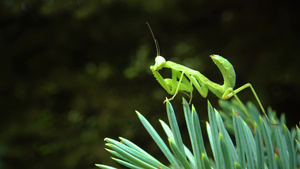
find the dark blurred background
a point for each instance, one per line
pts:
(73, 72)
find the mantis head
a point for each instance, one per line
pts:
(159, 63)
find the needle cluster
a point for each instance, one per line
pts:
(254, 144)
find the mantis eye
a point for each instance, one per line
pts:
(159, 62)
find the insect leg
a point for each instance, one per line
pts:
(233, 93)
(162, 81)
(176, 85)
(256, 97)
(199, 85)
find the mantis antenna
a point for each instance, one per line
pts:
(155, 40)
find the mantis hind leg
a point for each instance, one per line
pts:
(232, 92)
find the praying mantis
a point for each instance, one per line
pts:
(189, 78)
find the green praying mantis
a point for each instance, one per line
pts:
(184, 79)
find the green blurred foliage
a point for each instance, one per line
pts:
(73, 72)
